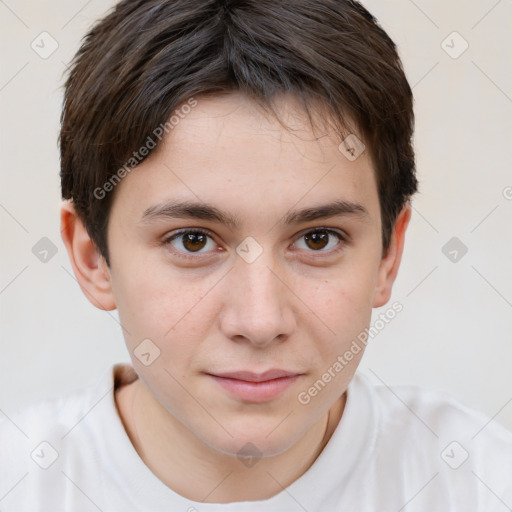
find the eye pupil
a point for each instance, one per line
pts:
(194, 241)
(318, 239)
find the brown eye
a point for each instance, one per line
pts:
(321, 240)
(191, 241)
(194, 241)
(317, 240)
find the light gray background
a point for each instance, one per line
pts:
(454, 333)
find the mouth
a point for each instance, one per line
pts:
(253, 387)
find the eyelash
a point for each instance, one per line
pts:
(343, 240)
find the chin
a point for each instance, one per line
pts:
(252, 443)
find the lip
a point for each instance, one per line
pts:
(254, 387)
(256, 377)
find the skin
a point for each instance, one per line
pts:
(296, 307)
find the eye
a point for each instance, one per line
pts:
(191, 241)
(188, 242)
(321, 240)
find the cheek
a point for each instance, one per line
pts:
(158, 304)
(344, 302)
(163, 328)
(344, 306)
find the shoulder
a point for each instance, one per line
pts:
(439, 413)
(44, 419)
(428, 439)
(41, 442)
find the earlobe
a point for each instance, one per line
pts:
(89, 267)
(390, 263)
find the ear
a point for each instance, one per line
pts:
(388, 268)
(90, 268)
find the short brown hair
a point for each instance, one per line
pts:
(147, 57)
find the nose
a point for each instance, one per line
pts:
(258, 304)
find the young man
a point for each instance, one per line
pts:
(237, 178)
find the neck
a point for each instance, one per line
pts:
(200, 473)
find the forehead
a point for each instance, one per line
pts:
(226, 150)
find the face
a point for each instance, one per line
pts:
(222, 257)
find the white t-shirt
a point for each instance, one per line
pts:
(395, 449)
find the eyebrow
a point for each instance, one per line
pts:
(204, 211)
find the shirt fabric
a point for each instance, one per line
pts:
(400, 448)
